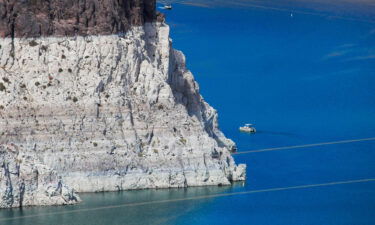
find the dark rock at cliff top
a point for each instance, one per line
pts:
(35, 18)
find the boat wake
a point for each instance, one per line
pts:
(277, 133)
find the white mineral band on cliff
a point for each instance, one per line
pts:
(105, 113)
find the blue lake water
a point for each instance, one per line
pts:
(301, 79)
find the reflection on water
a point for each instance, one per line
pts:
(164, 213)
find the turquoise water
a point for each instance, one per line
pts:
(304, 79)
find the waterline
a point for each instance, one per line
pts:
(194, 198)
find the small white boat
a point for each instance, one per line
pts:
(168, 7)
(248, 128)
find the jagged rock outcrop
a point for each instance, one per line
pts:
(109, 112)
(26, 181)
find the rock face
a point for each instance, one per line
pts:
(104, 113)
(36, 18)
(26, 181)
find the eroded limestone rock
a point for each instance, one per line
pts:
(111, 112)
(25, 181)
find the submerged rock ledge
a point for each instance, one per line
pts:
(104, 113)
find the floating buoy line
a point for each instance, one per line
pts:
(305, 146)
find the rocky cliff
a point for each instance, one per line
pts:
(37, 18)
(102, 110)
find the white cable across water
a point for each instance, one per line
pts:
(305, 146)
(193, 198)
